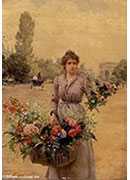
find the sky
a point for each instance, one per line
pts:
(94, 29)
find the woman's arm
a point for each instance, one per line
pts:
(55, 97)
(87, 87)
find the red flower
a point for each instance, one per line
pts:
(5, 106)
(28, 140)
(12, 109)
(55, 130)
(78, 129)
(71, 122)
(72, 133)
(19, 129)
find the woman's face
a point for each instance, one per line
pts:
(71, 66)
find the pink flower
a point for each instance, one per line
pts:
(71, 122)
(30, 129)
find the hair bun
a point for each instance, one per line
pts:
(69, 54)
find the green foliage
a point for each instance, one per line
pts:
(12, 143)
(91, 121)
(49, 69)
(19, 116)
(18, 67)
(35, 139)
(25, 150)
(24, 36)
(120, 71)
(90, 127)
(4, 66)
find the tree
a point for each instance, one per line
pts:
(18, 62)
(24, 37)
(4, 66)
(17, 68)
(88, 72)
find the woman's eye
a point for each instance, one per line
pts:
(74, 63)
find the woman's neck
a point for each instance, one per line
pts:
(70, 76)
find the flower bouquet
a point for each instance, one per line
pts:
(56, 143)
(24, 126)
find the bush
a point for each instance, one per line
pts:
(120, 71)
(49, 69)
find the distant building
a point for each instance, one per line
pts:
(106, 69)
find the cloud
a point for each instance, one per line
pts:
(87, 26)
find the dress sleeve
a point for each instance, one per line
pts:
(55, 96)
(87, 87)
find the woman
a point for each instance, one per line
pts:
(68, 92)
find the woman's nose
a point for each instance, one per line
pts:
(71, 64)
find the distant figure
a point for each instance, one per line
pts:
(37, 80)
(34, 80)
(39, 76)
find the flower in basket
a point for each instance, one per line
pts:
(71, 122)
(55, 130)
(74, 128)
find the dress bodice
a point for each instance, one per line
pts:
(72, 92)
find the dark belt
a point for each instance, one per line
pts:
(69, 102)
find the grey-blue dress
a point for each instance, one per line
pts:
(67, 101)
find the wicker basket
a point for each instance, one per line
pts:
(62, 161)
(39, 156)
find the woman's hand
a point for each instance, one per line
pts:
(53, 120)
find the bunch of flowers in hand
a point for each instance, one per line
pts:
(24, 127)
(95, 100)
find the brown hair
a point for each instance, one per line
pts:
(69, 55)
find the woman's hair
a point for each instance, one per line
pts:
(69, 55)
